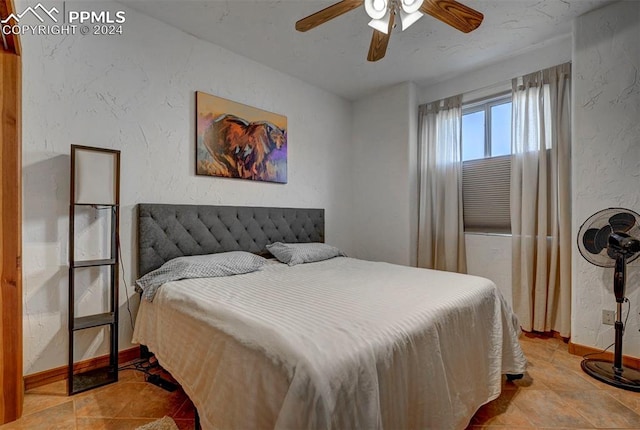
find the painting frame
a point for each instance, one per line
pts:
(235, 140)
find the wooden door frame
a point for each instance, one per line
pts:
(11, 348)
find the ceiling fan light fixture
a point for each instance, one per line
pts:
(376, 9)
(411, 6)
(382, 25)
(383, 16)
(409, 18)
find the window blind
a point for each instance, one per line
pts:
(485, 194)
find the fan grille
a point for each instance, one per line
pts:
(593, 237)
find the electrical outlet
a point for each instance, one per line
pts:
(608, 317)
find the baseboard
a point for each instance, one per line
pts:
(60, 373)
(581, 350)
(545, 335)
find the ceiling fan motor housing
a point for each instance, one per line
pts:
(382, 12)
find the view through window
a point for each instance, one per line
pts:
(486, 129)
(486, 167)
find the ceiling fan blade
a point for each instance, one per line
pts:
(379, 42)
(327, 14)
(453, 13)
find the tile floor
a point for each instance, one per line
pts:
(554, 394)
(127, 404)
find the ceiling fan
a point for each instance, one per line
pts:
(383, 14)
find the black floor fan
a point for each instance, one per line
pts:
(610, 238)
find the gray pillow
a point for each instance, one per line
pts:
(296, 253)
(199, 266)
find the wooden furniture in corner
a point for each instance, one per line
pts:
(11, 394)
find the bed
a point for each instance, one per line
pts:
(335, 344)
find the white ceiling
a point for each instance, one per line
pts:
(333, 56)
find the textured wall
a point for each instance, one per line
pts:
(135, 93)
(385, 175)
(486, 81)
(606, 156)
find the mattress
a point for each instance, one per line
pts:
(337, 344)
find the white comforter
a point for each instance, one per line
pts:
(338, 344)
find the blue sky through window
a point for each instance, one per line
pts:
(473, 136)
(497, 117)
(501, 129)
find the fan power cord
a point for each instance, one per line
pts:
(624, 326)
(144, 365)
(124, 280)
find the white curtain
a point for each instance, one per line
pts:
(440, 226)
(541, 200)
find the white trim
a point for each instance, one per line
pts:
(483, 95)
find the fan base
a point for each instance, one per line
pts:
(602, 370)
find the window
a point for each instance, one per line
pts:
(486, 129)
(486, 167)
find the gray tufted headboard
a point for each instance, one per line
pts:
(169, 231)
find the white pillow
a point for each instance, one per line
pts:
(199, 266)
(296, 253)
